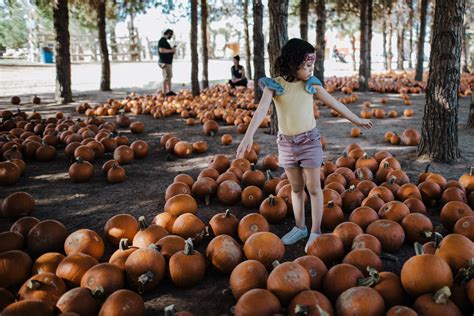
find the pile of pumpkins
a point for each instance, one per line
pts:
(31, 137)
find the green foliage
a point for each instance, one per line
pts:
(13, 30)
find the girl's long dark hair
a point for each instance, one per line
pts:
(291, 57)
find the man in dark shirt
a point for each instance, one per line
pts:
(166, 52)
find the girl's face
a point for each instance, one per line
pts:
(305, 70)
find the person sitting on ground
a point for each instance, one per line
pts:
(238, 74)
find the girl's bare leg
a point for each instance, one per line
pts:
(313, 183)
(295, 176)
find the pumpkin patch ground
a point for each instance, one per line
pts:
(141, 187)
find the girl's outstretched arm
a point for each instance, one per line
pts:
(258, 116)
(330, 101)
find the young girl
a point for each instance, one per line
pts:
(298, 140)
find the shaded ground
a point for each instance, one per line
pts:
(89, 205)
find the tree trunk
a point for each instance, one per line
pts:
(439, 129)
(421, 41)
(63, 58)
(384, 37)
(353, 55)
(369, 41)
(470, 121)
(304, 8)
(465, 49)
(400, 36)
(113, 41)
(205, 53)
(248, 56)
(104, 51)
(390, 37)
(410, 28)
(258, 47)
(278, 37)
(320, 41)
(364, 71)
(194, 49)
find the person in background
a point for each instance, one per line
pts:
(165, 62)
(238, 74)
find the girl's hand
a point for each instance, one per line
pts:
(365, 123)
(245, 146)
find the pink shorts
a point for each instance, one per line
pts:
(302, 150)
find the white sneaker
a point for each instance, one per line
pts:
(294, 235)
(311, 238)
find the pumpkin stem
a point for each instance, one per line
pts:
(98, 292)
(352, 188)
(188, 247)
(386, 165)
(344, 153)
(321, 311)
(301, 310)
(392, 179)
(34, 284)
(435, 237)
(275, 263)
(227, 213)
(269, 174)
(144, 279)
(427, 168)
(442, 295)
(141, 220)
(123, 244)
(464, 275)
(371, 280)
(170, 310)
(206, 199)
(418, 249)
(471, 172)
(271, 200)
(331, 204)
(385, 255)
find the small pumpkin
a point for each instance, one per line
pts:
(189, 225)
(250, 224)
(85, 241)
(46, 236)
(288, 279)
(224, 224)
(340, 278)
(123, 303)
(316, 269)
(120, 226)
(80, 300)
(265, 247)
(145, 268)
(148, 234)
(224, 253)
(46, 287)
(124, 154)
(72, 268)
(360, 300)
(47, 262)
(250, 303)
(181, 204)
(248, 275)
(274, 209)
(15, 267)
(106, 275)
(187, 267)
(140, 149)
(18, 204)
(81, 171)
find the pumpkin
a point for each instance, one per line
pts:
(81, 171)
(250, 303)
(169, 245)
(415, 205)
(15, 267)
(362, 216)
(18, 204)
(394, 210)
(316, 269)
(430, 192)
(408, 190)
(105, 275)
(229, 192)
(390, 234)
(116, 174)
(456, 250)
(288, 279)
(366, 241)
(85, 241)
(183, 149)
(145, 268)
(452, 212)
(265, 247)
(46, 236)
(411, 137)
(97, 147)
(327, 247)
(253, 177)
(204, 188)
(224, 253)
(137, 127)
(345, 161)
(165, 220)
(374, 202)
(248, 275)
(148, 234)
(362, 258)
(45, 152)
(347, 231)
(123, 303)
(414, 225)
(181, 204)
(80, 300)
(187, 267)
(242, 163)
(47, 262)
(250, 224)
(367, 162)
(72, 268)
(224, 224)
(351, 199)
(425, 273)
(122, 120)
(252, 196)
(84, 152)
(120, 226)
(384, 193)
(140, 149)
(359, 301)
(209, 173)
(453, 194)
(184, 178)
(365, 186)
(335, 177)
(388, 285)
(465, 226)
(46, 287)
(467, 180)
(124, 154)
(120, 255)
(274, 209)
(270, 162)
(219, 162)
(189, 225)
(226, 139)
(9, 173)
(228, 175)
(28, 307)
(340, 278)
(438, 304)
(199, 147)
(310, 302)
(6, 298)
(210, 127)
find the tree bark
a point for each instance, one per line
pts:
(113, 42)
(465, 50)
(390, 36)
(248, 56)
(205, 50)
(304, 8)
(400, 39)
(320, 40)
(63, 58)
(421, 41)
(470, 120)
(104, 51)
(194, 49)
(364, 71)
(439, 129)
(258, 47)
(410, 28)
(369, 42)
(278, 37)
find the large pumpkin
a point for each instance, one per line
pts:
(46, 236)
(360, 301)
(288, 279)
(120, 226)
(15, 267)
(80, 300)
(224, 253)
(123, 303)
(250, 303)
(248, 275)
(18, 204)
(265, 247)
(456, 250)
(180, 204)
(47, 262)
(145, 269)
(46, 287)
(187, 267)
(85, 241)
(72, 268)
(108, 276)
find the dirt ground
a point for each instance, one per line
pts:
(89, 205)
